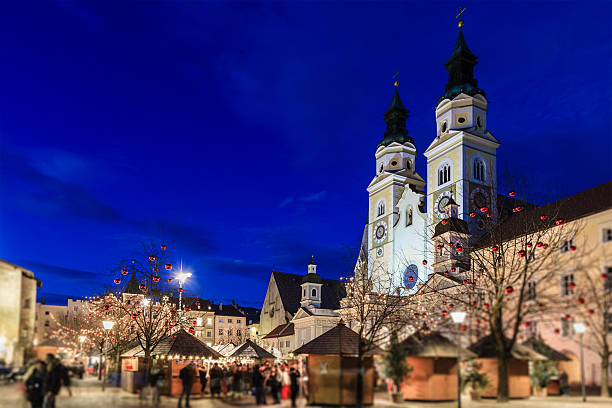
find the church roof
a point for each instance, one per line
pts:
(339, 340)
(282, 330)
(583, 204)
(290, 290)
(132, 286)
(250, 349)
(312, 278)
(396, 117)
(452, 224)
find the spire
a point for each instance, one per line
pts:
(460, 67)
(133, 286)
(396, 117)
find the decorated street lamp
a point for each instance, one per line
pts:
(108, 326)
(458, 318)
(580, 328)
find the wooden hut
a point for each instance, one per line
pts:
(251, 351)
(518, 367)
(539, 346)
(171, 354)
(434, 358)
(332, 368)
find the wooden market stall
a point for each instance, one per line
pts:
(251, 351)
(434, 359)
(332, 368)
(171, 355)
(539, 346)
(518, 367)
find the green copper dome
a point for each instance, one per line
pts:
(396, 117)
(460, 67)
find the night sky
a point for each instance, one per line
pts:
(245, 132)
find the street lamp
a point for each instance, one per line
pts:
(81, 340)
(458, 318)
(108, 326)
(580, 328)
(182, 276)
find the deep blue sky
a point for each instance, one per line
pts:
(248, 130)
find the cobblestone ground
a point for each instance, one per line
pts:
(88, 394)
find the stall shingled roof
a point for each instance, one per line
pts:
(433, 345)
(339, 340)
(184, 344)
(485, 348)
(251, 350)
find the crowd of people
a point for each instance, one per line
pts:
(43, 381)
(267, 383)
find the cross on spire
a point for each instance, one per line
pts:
(460, 23)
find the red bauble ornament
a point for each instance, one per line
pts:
(544, 246)
(117, 281)
(168, 267)
(180, 290)
(444, 303)
(156, 279)
(197, 303)
(472, 214)
(604, 276)
(495, 248)
(463, 328)
(439, 247)
(169, 280)
(132, 327)
(106, 307)
(474, 303)
(580, 301)
(152, 258)
(557, 331)
(478, 322)
(444, 222)
(142, 287)
(124, 271)
(155, 269)
(572, 286)
(411, 278)
(163, 247)
(512, 193)
(424, 262)
(591, 311)
(423, 316)
(416, 315)
(459, 248)
(485, 306)
(445, 273)
(174, 336)
(573, 248)
(451, 306)
(529, 245)
(195, 322)
(187, 309)
(509, 290)
(453, 269)
(543, 217)
(397, 319)
(444, 313)
(560, 221)
(484, 209)
(527, 324)
(522, 253)
(568, 317)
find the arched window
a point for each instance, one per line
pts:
(381, 168)
(408, 164)
(444, 174)
(409, 216)
(314, 293)
(380, 209)
(478, 170)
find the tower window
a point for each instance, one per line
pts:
(381, 209)
(478, 122)
(381, 167)
(567, 283)
(443, 127)
(407, 164)
(314, 293)
(394, 163)
(478, 170)
(444, 174)
(461, 119)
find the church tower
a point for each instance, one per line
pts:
(461, 160)
(396, 200)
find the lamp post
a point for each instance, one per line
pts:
(81, 340)
(458, 318)
(108, 326)
(181, 276)
(580, 328)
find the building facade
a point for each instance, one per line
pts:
(17, 312)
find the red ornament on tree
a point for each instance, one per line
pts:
(453, 270)
(163, 247)
(439, 247)
(572, 286)
(180, 290)
(573, 248)
(156, 279)
(560, 221)
(451, 306)
(543, 217)
(495, 248)
(568, 317)
(444, 222)
(424, 262)
(472, 214)
(463, 328)
(174, 336)
(459, 248)
(485, 306)
(512, 193)
(152, 258)
(591, 311)
(444, 313)
(527, 324)
(544, 246)
(124, 271)
(117, 281)
(397, 319)
(411, 278)
(168, 267)
(580, 301)
(484, 209)
(604, 276)
(474, 303)
(509, 290)
(445, 273)
(169, 280)
(197, 303)
(416, 315)
(522, 253)
(557, 331)
(142, 287)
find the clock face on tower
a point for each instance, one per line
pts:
(480, 198)
(380, 232)
(441, 202)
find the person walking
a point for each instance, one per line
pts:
(34, 379)
(203, 380)
(157, 381)
(53, 380)
(187, 376)
(258, 385)
(294, 375)
(215, 380)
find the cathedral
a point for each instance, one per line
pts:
(403, 206)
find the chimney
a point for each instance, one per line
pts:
(220, 306)
(42, 300)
